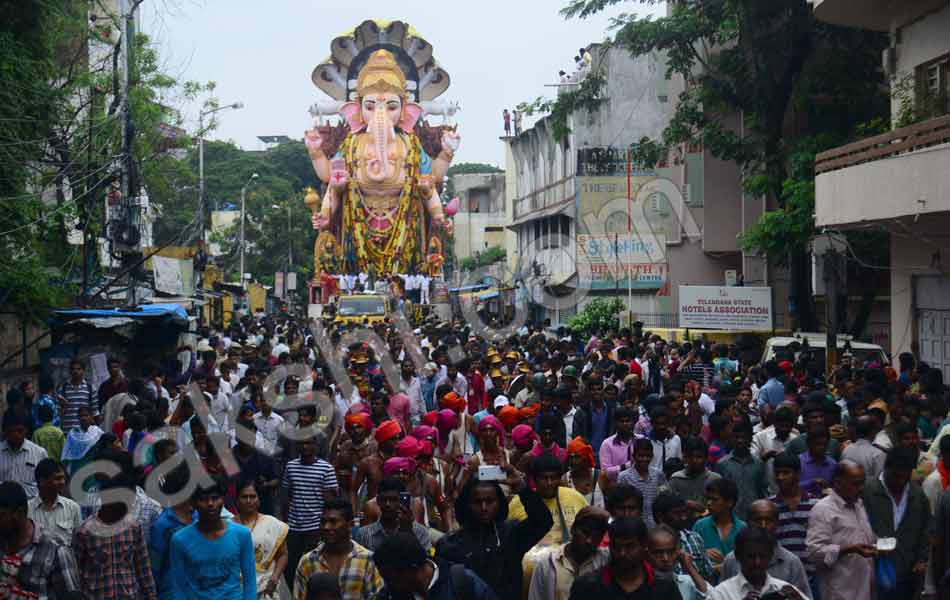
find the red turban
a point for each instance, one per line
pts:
(431, 418)
(408, 447)
(581, 448)
(397, 465)
(426, 448)
(508, 416)
(387, 430)
(359, 418)
(528, 412)
(454, 401)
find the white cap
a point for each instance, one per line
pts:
(204, 346)
(501, 401)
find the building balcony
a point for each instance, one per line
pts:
(875, 15)
(902, 173)
(546, 201)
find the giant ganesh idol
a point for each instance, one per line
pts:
(383, 166)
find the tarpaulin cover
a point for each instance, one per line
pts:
(145, 312)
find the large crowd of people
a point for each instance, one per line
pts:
(548, 465)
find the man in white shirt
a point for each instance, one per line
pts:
(754, 549)
(424, 288)
(771, 441)
(268, 423)
(57, 515)
(458, 381)
(280, 347)
(220, 403)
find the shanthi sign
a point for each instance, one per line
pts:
(719, 307)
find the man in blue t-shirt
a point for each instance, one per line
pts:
(213, 559)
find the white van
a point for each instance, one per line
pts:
(862, 352)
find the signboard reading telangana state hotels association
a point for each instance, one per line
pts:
(718, 307)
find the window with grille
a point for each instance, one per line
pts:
(933, 88)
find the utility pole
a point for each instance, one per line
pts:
(129, 181)
(201, 175)
(89, 201)
(832, 280)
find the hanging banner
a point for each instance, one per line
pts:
(720, 307)
(173, 276)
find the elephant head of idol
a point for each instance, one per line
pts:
(381, 107)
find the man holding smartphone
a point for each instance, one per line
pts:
(395, 515)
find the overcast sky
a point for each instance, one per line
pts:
(497, 52)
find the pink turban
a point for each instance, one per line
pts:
(401, 464)
(426, 448)
(448, 420)
(424, 432)
(523, 437)
(408, 447)
(492, 422)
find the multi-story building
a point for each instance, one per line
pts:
(900, 181)
(482, 219)
(591, 223)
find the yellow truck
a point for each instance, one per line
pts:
(362, 308)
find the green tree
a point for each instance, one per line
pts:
(60, 142)
(600, 314)
(489, 256)
(284, 173)
(800, 85)
(473, 167)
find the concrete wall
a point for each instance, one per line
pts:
(913, 246)
(911, 184)
(637, 101)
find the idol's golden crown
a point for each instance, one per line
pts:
(381, 75)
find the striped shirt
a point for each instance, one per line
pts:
(649, 486)
(359, 579)
(307, 486)
(701, 373)
(792, 527)
(19, 465)
(77, 396)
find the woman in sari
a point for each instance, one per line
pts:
(269, 536)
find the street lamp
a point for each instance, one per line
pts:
(243, 202)
(201, 161)
(290, 251)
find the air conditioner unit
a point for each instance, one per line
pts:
(889, 61)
